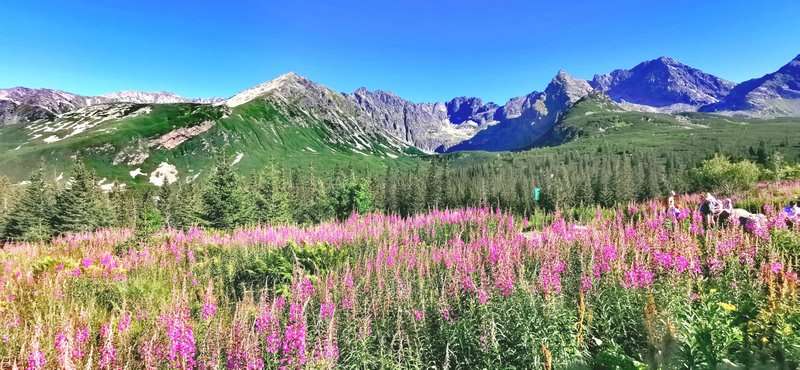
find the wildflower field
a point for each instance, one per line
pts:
(471, 288)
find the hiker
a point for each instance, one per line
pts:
(672, 210)
(726, 211)
(792, 211)
(710, 208)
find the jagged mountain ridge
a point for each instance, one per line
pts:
(524, 120)
(22, 105)
(774, 94)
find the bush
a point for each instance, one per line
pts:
(719, 174)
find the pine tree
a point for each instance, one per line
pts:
(149, 218)
(188, 207)
(30, 217)
(79, 205)
(432, 186)
(623, 182)
(224, 203)
(279, 210)
(584, 194)
(445, 197)
(7, 193)
(312, 204)
(272, 203)
(165, 203)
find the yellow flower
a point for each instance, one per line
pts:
(727, 306)
(712, 291)
(787, 329)
(764, 340)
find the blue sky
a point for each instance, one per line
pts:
(423, 50)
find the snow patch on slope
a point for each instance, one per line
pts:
(238, 158)
(136, 172)
(164, 174)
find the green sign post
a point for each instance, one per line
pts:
(537, 194)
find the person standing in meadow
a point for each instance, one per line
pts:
(672, 209)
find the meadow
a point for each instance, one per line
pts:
(475, 288)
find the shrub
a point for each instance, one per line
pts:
(721, 175)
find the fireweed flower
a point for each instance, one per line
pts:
(124, 322)
(268, 325)
(483, 296)
(550, 276)
(36, 358)
(181, 338)
(326, 310)
(586, 283)
(209, 303)
(294, 344)
(638, 277)
(63, 349)
(108, 354)
(79, 343)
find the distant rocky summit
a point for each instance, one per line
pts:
(662, 82)
(774, 94)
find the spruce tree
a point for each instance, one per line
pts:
(30, 217)
(78, 206)
(224, 203)
(623, 182)
(432, 186)
(188, 207)
(7, 193)
(280, 211)
(165, 204)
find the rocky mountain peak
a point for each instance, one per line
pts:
(285, 84)
(774, 94)
(665, 60)
(570, 86)
(662, 82)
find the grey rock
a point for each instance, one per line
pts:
(662, 82)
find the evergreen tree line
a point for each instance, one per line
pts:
(40, 209)
(227, 199)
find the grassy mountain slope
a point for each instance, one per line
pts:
(596, 124)
(596, 121)
(120, 138)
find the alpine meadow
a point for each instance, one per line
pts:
(641, 213)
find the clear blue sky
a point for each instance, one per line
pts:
(424, 50)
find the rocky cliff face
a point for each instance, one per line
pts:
(772, 95)
(428, 126)
(523, 120)
(23, 105)
(662, 82)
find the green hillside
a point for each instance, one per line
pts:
(595, 121)
(120, 138)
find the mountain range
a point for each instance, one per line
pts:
(467, 123)
(291, 114)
